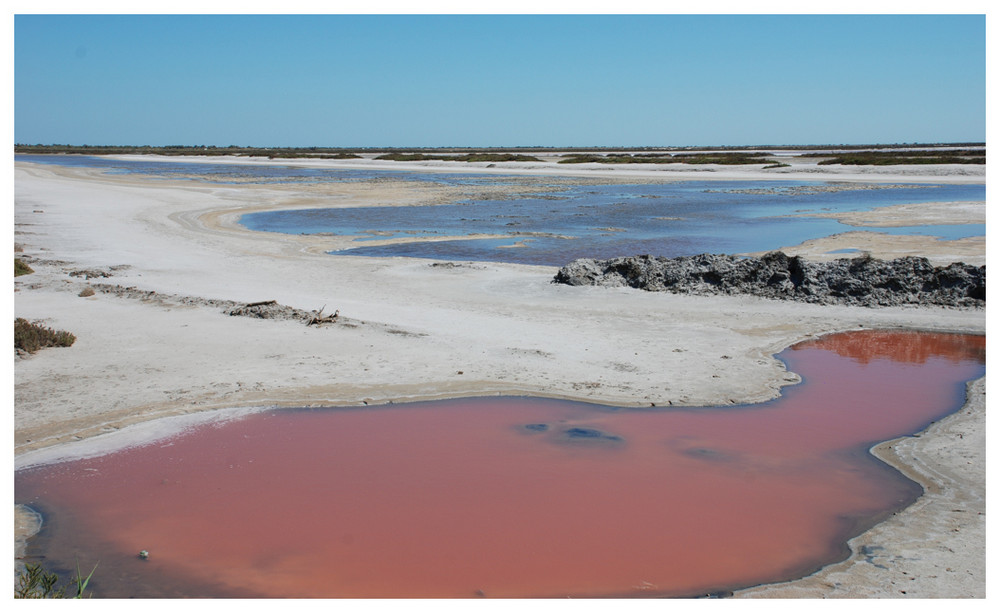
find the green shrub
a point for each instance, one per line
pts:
(20, 268)
(31, 337)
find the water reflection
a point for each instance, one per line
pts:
(902, 346)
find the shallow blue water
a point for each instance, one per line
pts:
(597, 221)
(673, 219)
(251, 172)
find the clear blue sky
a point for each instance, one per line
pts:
(558, 80)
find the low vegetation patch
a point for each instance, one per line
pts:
(666, 158)
(890, 158)
(30, 337)
(299, 154)
(36, 582)
(330, 153)
(469, 157)
(723, 158)
(20, 268)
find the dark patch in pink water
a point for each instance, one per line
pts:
(510, 496)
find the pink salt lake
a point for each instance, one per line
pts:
(509, 497)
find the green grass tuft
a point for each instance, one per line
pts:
(20, 268)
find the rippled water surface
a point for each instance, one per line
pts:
(604, 221)
(559, 225)
(504, 497)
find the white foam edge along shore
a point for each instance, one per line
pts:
(412, 330)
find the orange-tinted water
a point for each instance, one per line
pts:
(494, 496)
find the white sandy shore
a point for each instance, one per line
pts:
(410, 330)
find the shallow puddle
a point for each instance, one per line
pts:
(509, 497)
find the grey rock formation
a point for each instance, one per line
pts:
(861, 281)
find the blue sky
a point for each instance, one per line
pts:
(498, 80)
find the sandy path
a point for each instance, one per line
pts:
(417, 330)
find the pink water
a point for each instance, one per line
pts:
(461, 499)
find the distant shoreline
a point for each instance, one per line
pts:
(318, 151)
(792, 168)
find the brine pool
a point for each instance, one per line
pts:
(506, 496)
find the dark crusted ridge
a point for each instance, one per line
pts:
(861, 281)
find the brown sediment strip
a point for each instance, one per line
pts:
(936, 547)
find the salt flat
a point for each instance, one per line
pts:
(409, 329)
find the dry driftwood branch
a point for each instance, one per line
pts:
(319, 318)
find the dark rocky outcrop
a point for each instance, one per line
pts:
(861, 281)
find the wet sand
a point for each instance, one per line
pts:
(971, 250)
(928, 213)
(418, 331)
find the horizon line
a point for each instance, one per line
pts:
(480, 147)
